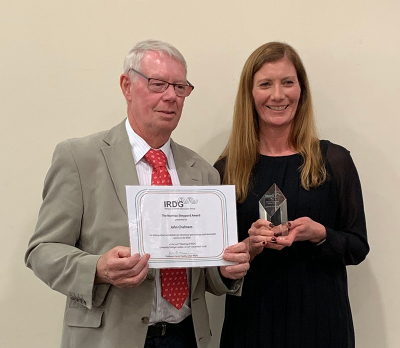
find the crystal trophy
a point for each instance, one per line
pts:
(273, 207)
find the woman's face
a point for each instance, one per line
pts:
(276, 93)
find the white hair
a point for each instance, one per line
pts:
(134, 57)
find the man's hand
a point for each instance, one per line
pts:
(119, 268)
(236, 253)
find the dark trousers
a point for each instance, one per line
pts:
(179, 335)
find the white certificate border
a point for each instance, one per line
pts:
(162, 190)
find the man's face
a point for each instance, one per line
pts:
(154, 115)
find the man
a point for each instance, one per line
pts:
(80, 246)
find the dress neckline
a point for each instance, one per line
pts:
(285, 156)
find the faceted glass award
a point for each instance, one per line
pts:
(273, 207)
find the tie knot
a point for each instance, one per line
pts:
(156, 158)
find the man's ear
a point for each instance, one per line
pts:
(126, 84)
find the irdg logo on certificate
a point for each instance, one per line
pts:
(182, 226)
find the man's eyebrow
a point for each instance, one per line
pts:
(158, 77)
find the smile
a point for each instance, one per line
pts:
(277, 108)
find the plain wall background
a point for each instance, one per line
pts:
(60, 64)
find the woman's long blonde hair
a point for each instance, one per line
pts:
(242, 150)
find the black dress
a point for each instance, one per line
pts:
(297, 297)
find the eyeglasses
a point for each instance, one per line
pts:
(159, 86)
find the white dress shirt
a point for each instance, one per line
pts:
(162, 310)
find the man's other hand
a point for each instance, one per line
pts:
(119, 268)
(236, 253)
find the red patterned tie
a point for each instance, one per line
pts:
(173, 280)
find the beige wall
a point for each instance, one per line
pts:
(60, 63)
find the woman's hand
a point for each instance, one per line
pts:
(302, 229)
(261, 233)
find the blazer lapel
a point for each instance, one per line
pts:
(184, 162)
(195, 278)
(119, 160)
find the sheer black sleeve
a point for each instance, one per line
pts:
(347, 243)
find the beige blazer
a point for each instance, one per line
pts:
(84, 215)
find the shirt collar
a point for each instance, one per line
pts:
(140, 147)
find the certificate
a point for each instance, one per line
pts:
(182, 226)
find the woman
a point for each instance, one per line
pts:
(295, 293)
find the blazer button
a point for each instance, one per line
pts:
(150, 277)
(145, 320)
